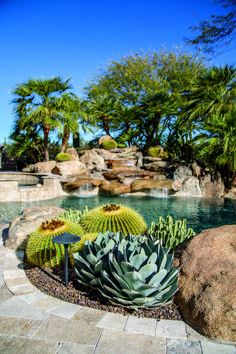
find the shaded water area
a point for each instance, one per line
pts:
(200, 213)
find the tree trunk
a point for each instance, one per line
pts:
(46, 131)
(105, 124)
(127, 127)
(34, 158)
(155, 124)
(65, 139)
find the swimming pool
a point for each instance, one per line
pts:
(200, 213)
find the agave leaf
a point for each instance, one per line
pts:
(95, 283)
(92, 259)
(143, 301)
(127, 267)
(171, 277)
(108, 279)
(98, 266)
(169, 262)
(120, 301)
(148, 250)
(158, 277)
(87, 274)
(114, 292)
(82, 263)
(121, 282)
(120, 253)
(114, 266)
(137, 260)
(163, 262)
(147, 270)
(132, 294)
(147, 289)
(105, 250)
(172, 290)
(134, 279)
(153, 258)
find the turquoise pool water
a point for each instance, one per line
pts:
(200, 213)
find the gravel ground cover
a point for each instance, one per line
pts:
(51, 282)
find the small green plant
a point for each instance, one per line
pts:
(121, 145)
(154, 152)
(62, 156)
(73, 215)
(170, 234)
(42, 252)
(115, 218)
(130, 271)
(109, 144)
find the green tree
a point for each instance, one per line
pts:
(210, 104)
(219, 31)
(145, 83)
(36, 102)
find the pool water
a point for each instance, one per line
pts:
(200, 213)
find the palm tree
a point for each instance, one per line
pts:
(103, 109)
(36, 102)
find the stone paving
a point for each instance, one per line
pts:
(32, 322)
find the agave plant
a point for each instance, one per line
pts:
(130, 271)
(115, 218)
(169, 233)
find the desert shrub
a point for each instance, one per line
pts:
(109, 144)
(62, 156)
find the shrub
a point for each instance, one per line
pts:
(62, 156)
(121, 145)
(109, 144)
(115, 218)
(170, 234)
(130, 271)
(154, 152)
(42, 252)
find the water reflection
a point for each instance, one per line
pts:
(200, 213)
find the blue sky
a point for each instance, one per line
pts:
(74, 38)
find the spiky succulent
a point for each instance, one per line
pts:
(170, 233)
(73, 215)
(62, 156)
(109, 144)
(130, 271)
(115, 218)
(40, 249)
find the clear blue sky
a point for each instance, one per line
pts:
(74, 38)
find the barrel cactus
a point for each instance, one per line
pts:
(41, 251)
(170, 233)
(130, 271)
(115, 218)
(154, 152)
(109, 144)
(62, 156)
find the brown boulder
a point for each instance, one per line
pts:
(73, 154)
(75, 183)
(27, 222)
(140, 184)
(92, 160)
(118, 173)
(114, 188)
(207, 282)
(44, 167)
(213, 190)
(70, 168)
(124, 163)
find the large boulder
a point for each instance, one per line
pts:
(213, 190)
(70, 168)
(124, 163)
(73, 184)
(119, 173)
(44, 167)
(73, 154)
(114, 188)
(140, 184)
(181, 173)
(27, 222)
(191, 186)
(207, 282)
(92, 160)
